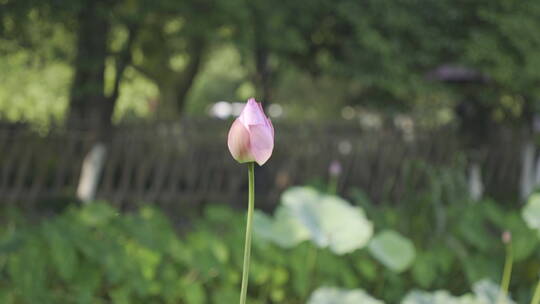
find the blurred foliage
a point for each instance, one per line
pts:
(392, 250)
(531, 212)
(326, 220)
(35, 92)
(32, 91)
(328, 295)
(484, 292)
(312, 57)
(94, 254)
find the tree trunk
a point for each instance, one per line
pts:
(89, 108)
(167, 109)
(186, 79)
(87, 105)
(175, 86)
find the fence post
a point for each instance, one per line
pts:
(91, 171)
(527, 169)
(476, 187)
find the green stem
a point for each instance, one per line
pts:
(247, 248)
(311, 268)
(332, 185)
(507, 274)
(536, 297)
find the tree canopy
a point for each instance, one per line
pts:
(87, 56)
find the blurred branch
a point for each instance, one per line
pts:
(145, 71)
(123, 60)
(187, 76)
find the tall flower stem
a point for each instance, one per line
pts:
(536, 296)
(249, 225)
(311, 269)
(507, 274)
(332, 185)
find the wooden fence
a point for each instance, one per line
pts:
(181, 165)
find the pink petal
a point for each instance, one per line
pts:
(252, 114)
(271, 127)
(261, 143)
(259, 104)
(239, 142)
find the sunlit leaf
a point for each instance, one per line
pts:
(329, 295)
(488, 292)
(531, 212)
(437, 297)
(326, 220)
(392, 250)
(485, 292)
(285, 231)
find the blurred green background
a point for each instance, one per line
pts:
(313, 58)
(418, 118)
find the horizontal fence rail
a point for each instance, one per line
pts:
(187, 164)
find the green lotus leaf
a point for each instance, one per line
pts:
(330, 295)
(392, 250)
(284, 231)
(438, 297)
(531, 212)
(327, 220)
(485, 292)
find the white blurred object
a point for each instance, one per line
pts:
(237, 108)
(332, 295)
(90, 172)
(406, 124)
(345, 147)
(275, 110)
(221, 110)
(528, 175)
(370, 120)
(476, 187)
(348, 112)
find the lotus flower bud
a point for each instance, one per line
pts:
(506, 237)
(335, 168)
(251, 137)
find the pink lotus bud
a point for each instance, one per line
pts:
(335, 168)
(506, 237)
(251, 137)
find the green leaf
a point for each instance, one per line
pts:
(10, 244)
(488, 292)
(96, 214)
(7, 296)
(424, 270)
(477, 267)
(30, 284)
(329, 295)
(194, 292)
(392, 250)
(86, 282)
(285, 230)
(437, 297)
(531, 212)
(328, 221)
(368, 268)
(524, 241)
(120, 295)
(61, 250)
(485, 292)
